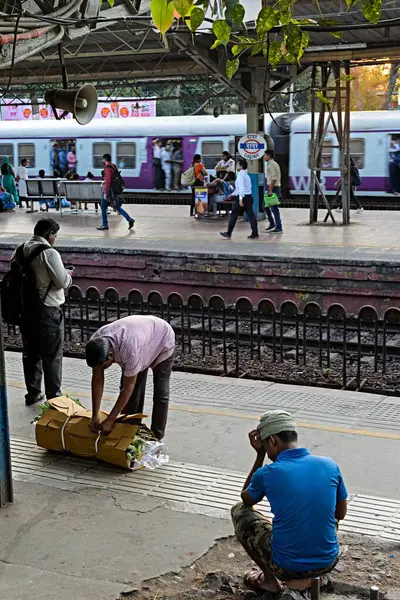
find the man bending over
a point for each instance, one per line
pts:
(136, 343)
(307, 497)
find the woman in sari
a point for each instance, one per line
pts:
(8, 179)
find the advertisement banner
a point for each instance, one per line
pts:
(123, 109)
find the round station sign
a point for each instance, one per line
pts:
(252, 146)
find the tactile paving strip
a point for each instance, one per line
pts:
(243, 396)
(184, 487)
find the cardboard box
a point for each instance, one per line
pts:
(65, 428)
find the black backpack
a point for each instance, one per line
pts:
(117, 182)
(19, 294)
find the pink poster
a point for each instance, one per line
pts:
(15, 111)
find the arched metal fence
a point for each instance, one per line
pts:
(264, 341)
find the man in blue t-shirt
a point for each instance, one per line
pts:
(307, 497)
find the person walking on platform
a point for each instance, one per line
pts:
(242, 198)
(22, 176)
(273, 177)
(43, 333)
(8, 179)
(136, 343)
(112, 191)
(199, 172)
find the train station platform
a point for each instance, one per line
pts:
(80, 528)
(169, 251)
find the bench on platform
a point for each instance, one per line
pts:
(41, 190)
(81, 191)
(56, 189)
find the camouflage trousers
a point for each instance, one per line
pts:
(254, 531)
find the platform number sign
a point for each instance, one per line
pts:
(252, 146)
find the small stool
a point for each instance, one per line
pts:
(300, 585)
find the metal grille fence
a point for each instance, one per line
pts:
(279, 343)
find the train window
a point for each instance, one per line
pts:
(27, 151)
(326, 159)
(126, 155)
(211, 153)
(357, 152)
(7, 150)
(100, 148)
(232, 148)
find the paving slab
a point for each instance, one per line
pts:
(93, 543)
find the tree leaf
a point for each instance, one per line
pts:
(238, 15)
(371, 9)
(196, 18)
(348, 78)
(323, 98)
(337, 34)
(267, 18)
(162, 12)
(222, 32)
(110, 2)
(238, 49)
(216, 44)
(351, 3)
(273, 53)
(183, 6)
(257, 48)
(231, 67)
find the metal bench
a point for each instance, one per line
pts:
(41, 189)
(80, 191)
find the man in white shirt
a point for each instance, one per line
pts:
(166, 165)
(273, 176)
(43, 333)
(22, 176)
(157, 164)
(242, 198)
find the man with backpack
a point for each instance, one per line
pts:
(112, 192)
(32, 294)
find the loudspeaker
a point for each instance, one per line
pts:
(82, 103)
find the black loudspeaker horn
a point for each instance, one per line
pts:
(82, 103)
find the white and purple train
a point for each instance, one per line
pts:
(130, 144)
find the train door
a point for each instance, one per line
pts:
(393, 162)
(63, 157)
(168, 172)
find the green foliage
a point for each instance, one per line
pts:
(231, 67)
(289, 40)
(371, 9)
(323, 98)
(182, 7)
(196, 18)
(162, 12)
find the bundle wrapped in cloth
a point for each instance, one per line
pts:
(64, 427)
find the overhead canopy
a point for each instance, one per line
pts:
(120, 45)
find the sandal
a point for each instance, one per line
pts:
(256, 581)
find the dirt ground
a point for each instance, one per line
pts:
(218, 575)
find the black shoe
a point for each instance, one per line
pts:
(131, 223)
(225, 235)
(270, 228)
(102, 228)
(29, 400)
(253, 237)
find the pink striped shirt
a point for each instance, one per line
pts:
(139, 342)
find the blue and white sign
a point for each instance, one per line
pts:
(252, 146)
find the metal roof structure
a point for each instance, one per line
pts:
(115, 47)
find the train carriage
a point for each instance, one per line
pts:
(130, 143)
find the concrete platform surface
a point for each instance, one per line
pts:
(80, 529)
(372, 235)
